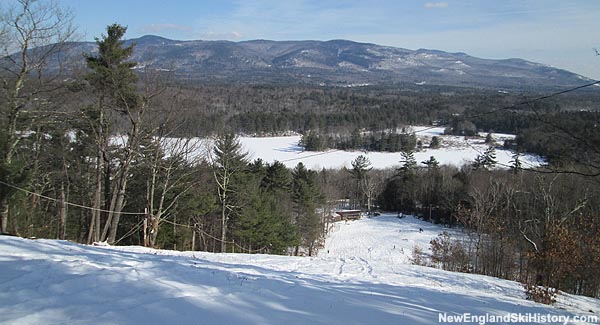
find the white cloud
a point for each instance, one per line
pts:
(435, 5)
(160, 28)
(214, 35)
(557, 41)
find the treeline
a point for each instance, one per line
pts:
(562, 137)
(204, 110)
(532, 228)
(272, 110)
(529, 226)
(380, 141)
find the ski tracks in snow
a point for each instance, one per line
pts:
(354, 267)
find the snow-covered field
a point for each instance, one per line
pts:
(455, 150)
(360, 277)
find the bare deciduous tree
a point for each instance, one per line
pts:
(31, 33)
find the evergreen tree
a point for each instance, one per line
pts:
(435, 142)
(408, 142)
(263, 226)
(112, 74)
(394, 144)
(277, 178)
(361, 166)
(431, 163)
(486, 160)
(311, 141)
(409, 163)
(516, 163)
(113, 80)
(258, 168)
(403, 188)
(356, 140)
(306, 197)
(229, 163)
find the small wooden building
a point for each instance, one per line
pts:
(349, 214)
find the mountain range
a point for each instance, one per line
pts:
(332, 63)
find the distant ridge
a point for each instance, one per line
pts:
(333, 63)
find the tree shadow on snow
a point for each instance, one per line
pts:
(101, 285)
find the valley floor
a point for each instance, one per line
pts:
(361, 276)
(455, 150)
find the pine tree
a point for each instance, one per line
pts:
(311, 141)
(435, 142)
(516, 163)
(277, 178)
(306, 197)
(356, 140)
(112, 74)
(258, 168)
(486, 160)
(361, 166)
(113, 80)
(402, 189)
(262, 225)
(229, 162)
(490, 157)
(431, 162)
(409, 163)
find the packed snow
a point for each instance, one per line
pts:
(361, 276)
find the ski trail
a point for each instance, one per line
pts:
(367, 266)
(340, 266)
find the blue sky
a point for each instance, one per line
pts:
(558, 33)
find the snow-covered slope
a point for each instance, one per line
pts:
(360, 277)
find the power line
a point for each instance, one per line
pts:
(309, 156)
(526, 102)
(67, 203)
(215, 238)
(131, 231)
(464, 118)
(514, 106)
(537, 169)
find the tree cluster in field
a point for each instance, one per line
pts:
(380, 141)
(562, 136)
